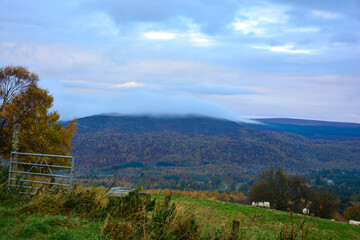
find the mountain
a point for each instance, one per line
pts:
(338, 131)
(202, 145)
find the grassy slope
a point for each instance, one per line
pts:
(256, 223)
(259, 223)
(15, 224)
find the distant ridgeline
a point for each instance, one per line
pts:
(203, 145)
(323, 130)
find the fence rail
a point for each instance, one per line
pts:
(39, 174)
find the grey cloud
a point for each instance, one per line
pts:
(328, 5)
(342, 26)
(87, 45)
(211, 15)
(72, 104)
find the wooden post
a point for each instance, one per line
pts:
(167, 202)
(15, 146)
(15, 140)
(235, 230)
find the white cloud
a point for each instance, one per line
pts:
(325, 14)
(199, 39)
(159, 35)
(247, 27)
(191, 34)
(257, 20)
(130, 85)
(285, 49)
(8, 44)
(114, 42)
(304, 29)
(194, 34)
(49, 55)
(270, 15)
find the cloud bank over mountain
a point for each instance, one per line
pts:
(264, 58)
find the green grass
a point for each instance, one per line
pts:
(14, 224)
(213, 217)
(260, 223)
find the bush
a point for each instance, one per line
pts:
(172, 223)
(117, 229)
(130, 206)
(297, 228)
(129, 218)
(352, 213)
(4, 175)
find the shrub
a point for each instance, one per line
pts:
(130, 206)
(297, 227)
(172, 223)
(352, 213)
(117, 229)
(4, 175)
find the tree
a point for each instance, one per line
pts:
(324, 203)
(283, 191)
(352, 213)
(287, 192)
(14, 80)
(24, 103)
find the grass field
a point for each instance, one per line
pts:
(15, 224)
(214, 219)
(260, 223)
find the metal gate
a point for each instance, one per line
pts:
(36, 171)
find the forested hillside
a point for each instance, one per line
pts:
(200, 145)
(322, 130)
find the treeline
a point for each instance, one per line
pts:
(183, 183)
(106, 148)
(293, 193)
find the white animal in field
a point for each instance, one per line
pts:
(333, 220)
(266, 204)
(306, 211)
(261, 204)
(353, 222)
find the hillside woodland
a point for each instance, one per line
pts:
(200, 144)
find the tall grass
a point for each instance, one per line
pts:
(87, 213)
(135, 216)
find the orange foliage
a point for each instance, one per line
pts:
(23, 102)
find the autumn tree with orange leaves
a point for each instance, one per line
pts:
(23, 102)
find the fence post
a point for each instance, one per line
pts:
(15, 142)
(10, 170)
(235, 230)
(167, 202)
(15, 147)
(71, 174)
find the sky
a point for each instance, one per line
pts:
(231, 59)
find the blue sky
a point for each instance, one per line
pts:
(229, 58)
